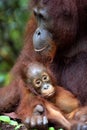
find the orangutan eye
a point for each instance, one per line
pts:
(41, 16)
(45, 77)
(37, 83)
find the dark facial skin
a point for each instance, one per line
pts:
(64, 24)
(38, 77)
(41, 37)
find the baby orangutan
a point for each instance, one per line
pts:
(41, 82)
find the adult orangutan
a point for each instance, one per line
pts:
(65, 23)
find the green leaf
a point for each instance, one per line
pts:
(5, 119)
(51, 128)
(12, 122)
(18, 126)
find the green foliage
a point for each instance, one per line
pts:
(51, 128)
(18, 126)
(12, 122)
(13, 18)
(7, 120)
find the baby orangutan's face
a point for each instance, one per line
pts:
(40, 80)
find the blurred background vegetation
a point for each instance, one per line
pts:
(14, 15)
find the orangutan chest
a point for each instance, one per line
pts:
(74, 75)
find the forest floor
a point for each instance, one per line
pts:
(4, 126)
(8, 123)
